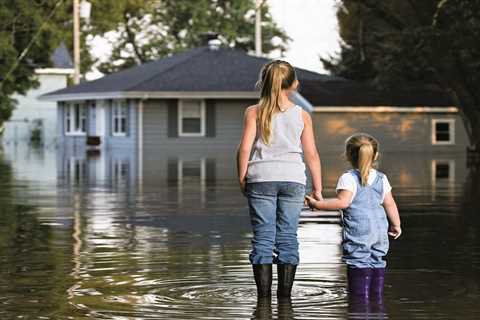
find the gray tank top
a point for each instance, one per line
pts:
(281, 160)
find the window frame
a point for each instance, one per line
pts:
(203, 118)
(451, 123)
(118, 104)
(70, 118)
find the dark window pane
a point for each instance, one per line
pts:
(442, 171)
(68, 119)
(443, 136)
(124, 125)
(442, 126)
(191, 172)
(77, 117)
(115, 125)
(191, 125)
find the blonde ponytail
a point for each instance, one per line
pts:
(274, 77)
(361, 150)
(365, 161)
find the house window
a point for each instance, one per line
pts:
(75, 119)
(191, 176)
(119, 118)
(120, 170)
(191, 172)
(443, 131)
(191, 118)
(443, 179)
(443, 171)
(76, 171)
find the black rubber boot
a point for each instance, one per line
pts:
(263, 279)
(286, 276)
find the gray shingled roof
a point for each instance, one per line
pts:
(226, 70)
(351, 93)
(61, 58)
(197, 70)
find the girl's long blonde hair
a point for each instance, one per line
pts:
(275, 76)
(361, 150)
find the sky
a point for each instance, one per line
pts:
(311, 24)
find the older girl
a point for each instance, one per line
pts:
(369, 216)
(273, 178)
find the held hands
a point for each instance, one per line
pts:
(310, 202)
(394, 231)
(313, 199)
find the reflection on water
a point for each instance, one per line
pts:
(103, 237)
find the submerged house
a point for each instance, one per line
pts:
(33, 119)
(189, 100)
(181, 117)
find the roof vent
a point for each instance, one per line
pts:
(214, 44)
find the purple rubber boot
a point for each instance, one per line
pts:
(359, 281)
(377, 283)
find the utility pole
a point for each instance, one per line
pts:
(76, 41)
(258, 27)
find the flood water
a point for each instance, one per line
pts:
(109, 237)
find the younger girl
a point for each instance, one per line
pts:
(364, 195)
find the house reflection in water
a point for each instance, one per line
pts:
(79, 167)
(173, 180)
(184, 178)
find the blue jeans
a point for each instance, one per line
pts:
(275, 208)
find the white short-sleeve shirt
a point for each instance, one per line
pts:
(348, 181)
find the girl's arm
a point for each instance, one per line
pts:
(245, 146)
(311, 155)
(342, 201)
(393, 217)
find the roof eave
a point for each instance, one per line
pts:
(386, 109)
(151, 95)
(56, 71)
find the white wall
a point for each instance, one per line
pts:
(29, 108)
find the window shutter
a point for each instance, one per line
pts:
(172, 118)
(127, 117)
(172, 172)
(210, 171)
(109, 107)
(211, 118)
(88, 117)
(61, 118)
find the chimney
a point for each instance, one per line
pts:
(214, 44)
(212, 40)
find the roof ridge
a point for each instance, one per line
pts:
(187, 57)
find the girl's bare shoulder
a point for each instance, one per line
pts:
(251, 111)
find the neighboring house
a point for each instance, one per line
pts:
(413, 118)
(32, 116)
(179, 119)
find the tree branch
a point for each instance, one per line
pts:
(385, 14)
(131, 39)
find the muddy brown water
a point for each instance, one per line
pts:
(91, 238)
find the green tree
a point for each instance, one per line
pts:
(29, 32)
(431, 41)
(148, 30)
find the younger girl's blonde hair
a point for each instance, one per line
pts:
(361, 150)
(275, 76)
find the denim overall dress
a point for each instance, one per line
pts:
(365, 226)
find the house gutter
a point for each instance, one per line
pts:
(385, 109)
(151, 95)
